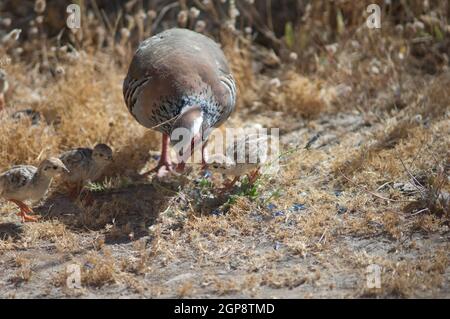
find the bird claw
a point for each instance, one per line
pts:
(163, 170)
(228, 185)
(27, 218)
(252, 178)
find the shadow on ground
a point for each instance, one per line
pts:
(11, 230)
(122, 214)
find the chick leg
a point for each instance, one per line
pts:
(227, 185)
(74, 191)
(24, 210)
(86, 196)
(253, 177)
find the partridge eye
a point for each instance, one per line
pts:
(55, 167)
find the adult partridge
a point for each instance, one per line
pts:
(85, 165)
(25, 182)
(179, 81)
(3, 88)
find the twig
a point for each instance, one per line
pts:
(163, 12)
(323, 235)
(387, 183)
(416, 182)
(420, 211)
(269, 14)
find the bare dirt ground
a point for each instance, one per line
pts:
(152, 246)
(370, 192)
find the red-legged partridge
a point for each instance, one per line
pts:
(179, 79)
(85, 165)
(28, 183)
(246, 155)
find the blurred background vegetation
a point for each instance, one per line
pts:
(307, 28)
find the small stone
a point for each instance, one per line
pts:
(337, 193)
(216, 212)
(278, 213)
(207, 174)
(341, 209)
(298, 207)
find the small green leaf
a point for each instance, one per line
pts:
(340, 22)
(289, 35)
(438, 33)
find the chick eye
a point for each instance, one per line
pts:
(55, 167)
(216, 165)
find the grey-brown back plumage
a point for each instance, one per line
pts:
(78, 161)
(16, 178)
(26, 182)
(83, 166)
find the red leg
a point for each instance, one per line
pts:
(253, 176)
(181, 166)
(227, 185)
(164, 165)
(73, 193)
(74, 190)
(88, 198)
(24, 210)
(204, 157)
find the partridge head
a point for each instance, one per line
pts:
(52, 167)
(102, 154)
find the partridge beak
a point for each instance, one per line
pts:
(66, 170)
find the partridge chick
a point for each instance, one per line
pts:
(245, 156)
(28, 183)
(85, 165)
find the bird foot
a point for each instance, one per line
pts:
(27, 218)
(228, 185)
(163, 169)
(180, 167)
(252, 178)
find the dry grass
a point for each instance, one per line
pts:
(372, 189)
(99, 269)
